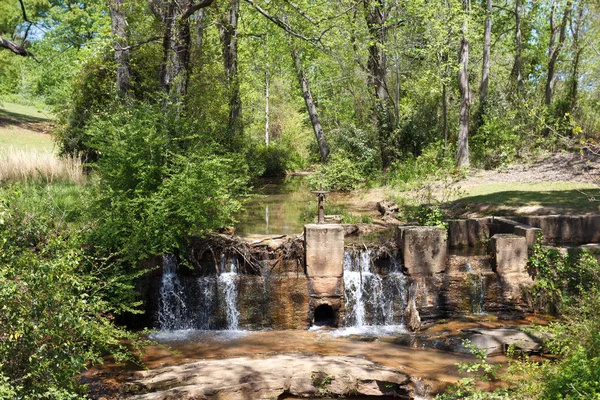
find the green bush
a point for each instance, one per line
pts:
(157, 186)
(426, 215)
(340, 173)
(57, 306)
(497, 141)
(275, 160)
(433, 163)
(353, 160)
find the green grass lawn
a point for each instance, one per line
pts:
(519, 197)
(24, 112)
(24, 127)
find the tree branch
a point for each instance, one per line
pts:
(17, 49)
(195, 7)
(280, 23)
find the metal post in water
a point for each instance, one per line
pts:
(321, 198)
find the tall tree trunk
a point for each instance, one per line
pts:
(485, 65)
(310, 106)
(376, 15)
(462, 154)
(554, 48)
(228, 33)
(518, 44)
(175, 15)
(119, 30)
(266, 107)
(577, 49)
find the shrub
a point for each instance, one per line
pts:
(57, 307)
(340, 173)
(157, 186)
(497, 141)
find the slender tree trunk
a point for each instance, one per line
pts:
(445, 115)
(554, 48)
(462, 154)
(267, 107)
(176, 53)
(200, 28)
(577, 49)
(376, 15)
(310, 107)
(119, 30)
(518, 39)
(485, 65)
(174, 16)
(228, 33)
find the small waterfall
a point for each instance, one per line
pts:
(190, 302)
(477, 295)
(228, 280)
(171, 306)
(371, 299)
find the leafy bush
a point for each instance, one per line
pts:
(275, 160)
(57, 307)
(426, 215)
(434, 163)
(497, 141)
(158, 187)
(340, 173)
(353, 160)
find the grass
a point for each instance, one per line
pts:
(39, 166)
(24, 127)
(61, 202)
(22, 111)
(522, 198)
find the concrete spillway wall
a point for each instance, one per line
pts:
(477, 265)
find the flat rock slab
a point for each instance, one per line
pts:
(495, 341)
(248, 378)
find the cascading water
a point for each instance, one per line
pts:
(171, 306)
(477, 295)
(190, 302)
(228, 278)
(372, 299)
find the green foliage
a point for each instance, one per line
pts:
(340, 173)
(479, 371)
(275, 160)
(434, 163)
(156, 187)
(353, 160)
(57, 305)
(559, 279)
(426, 215)
(497, 141)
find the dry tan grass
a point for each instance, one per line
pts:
(39, 165)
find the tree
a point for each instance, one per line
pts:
(310, 106)
(228, 33)
(555, 46)
(119, 29)
(175, 19)
(462, 154)
(485, 64)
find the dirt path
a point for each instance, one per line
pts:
(566, 167)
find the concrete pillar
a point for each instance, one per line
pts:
(423, 249)
(324, 250)
(324, 244)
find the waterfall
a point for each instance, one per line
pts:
(190, 302)
(372, 299)
(171, 305)
(477, 295)
(228, 279)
